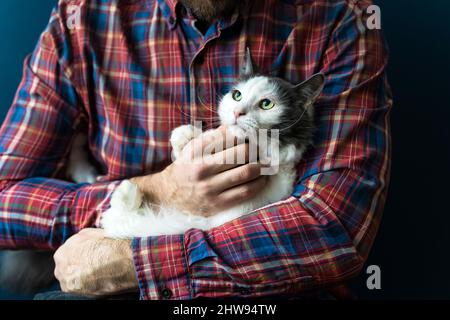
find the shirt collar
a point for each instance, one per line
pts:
(172, 4)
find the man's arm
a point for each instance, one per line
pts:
(322, 235)
(37, 209)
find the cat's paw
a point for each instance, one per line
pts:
(127, 197)
(181, 136)
(123, 217)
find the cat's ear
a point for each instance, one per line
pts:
(248, 68)
(310, 89)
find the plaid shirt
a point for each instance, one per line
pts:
(133, 70)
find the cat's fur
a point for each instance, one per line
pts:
(130, 217)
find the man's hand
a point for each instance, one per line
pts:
(208, 186)
(90, 264)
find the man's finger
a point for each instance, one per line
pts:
(235, 177)
(212, 142)
(242, 193)
(226, 160)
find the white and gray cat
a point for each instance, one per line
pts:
(256, 102)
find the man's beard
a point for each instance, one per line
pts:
(210, 10)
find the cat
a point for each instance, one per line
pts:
(267, 102)
(256, 102)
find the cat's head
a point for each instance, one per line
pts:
(264, 102)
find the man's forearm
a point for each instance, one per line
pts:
(151, 187)
(42, 213)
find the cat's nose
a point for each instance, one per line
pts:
(238, 114)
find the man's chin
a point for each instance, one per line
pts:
(209, 10)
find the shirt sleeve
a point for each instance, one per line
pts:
(321, 235)
(38, 209)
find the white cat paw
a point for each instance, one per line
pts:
(127, 197)
(122, 218)
(181, 136)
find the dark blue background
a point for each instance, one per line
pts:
(412, 248)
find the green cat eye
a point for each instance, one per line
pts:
(237, 95)
(266, 104)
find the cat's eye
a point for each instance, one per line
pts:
(266, 104)
(237, 95)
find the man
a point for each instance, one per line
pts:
(130, 72)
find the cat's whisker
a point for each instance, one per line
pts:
(213, 121)
(295, 122)
(205, 106)
(218, 98)
(197, 118)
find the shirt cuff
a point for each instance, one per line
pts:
(101, 201)
(161, 268)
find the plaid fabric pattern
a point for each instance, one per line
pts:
(135, 69)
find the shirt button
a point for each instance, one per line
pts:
(245, 292)
(166, 293)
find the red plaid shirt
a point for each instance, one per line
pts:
(132, 70)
